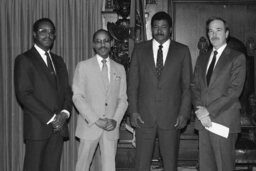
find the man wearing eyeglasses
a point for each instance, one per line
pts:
(43, 91)
(99, 87)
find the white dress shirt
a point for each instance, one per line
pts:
(42, 54)
(99, 59)
(165, 49)
(220, 50)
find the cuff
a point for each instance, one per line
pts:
(51, 120)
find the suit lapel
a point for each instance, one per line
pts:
(98, 74)
(205, 62)
(40, 65)
(113, 74)
(168, 62)
(220, 64)
(57, 69)
(148, 59)
(149, 55)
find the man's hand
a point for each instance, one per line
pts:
(59, 121)
(102, 123)
(181, 122)
(111, 125)
(136, 120)
(206, 121)
(201, 112)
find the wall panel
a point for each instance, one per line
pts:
(190, 18)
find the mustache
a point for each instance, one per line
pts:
(104, 48)
(214, 38)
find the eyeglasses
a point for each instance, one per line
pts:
(45, 32)
(97, 41)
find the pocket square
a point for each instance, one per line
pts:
(117, 77)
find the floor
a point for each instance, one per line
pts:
(191, 169)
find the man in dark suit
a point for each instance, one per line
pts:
(217, 84)
(43, 91)
(159, 94)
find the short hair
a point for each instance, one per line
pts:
(40, 21)
(99, 31)
(162, 16)
(216, 18)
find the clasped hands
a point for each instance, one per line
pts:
(106, 124)
(59, 121)
(203, 115)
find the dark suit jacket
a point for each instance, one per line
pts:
(160, 101)
(221, 96)
(38, 94)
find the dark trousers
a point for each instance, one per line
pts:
(215, 152)
(43, 155)
(168, 142)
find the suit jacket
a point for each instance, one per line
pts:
(221, 97)
(94, 101)
(160, 101)
(39, 95)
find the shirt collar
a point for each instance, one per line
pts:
(165, 44)
(99, 59)
(221, 49)
(40, 51)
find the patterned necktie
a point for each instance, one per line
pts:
(105, 72)
(211, 67)
(159, 62)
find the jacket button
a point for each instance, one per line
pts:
(106, 104)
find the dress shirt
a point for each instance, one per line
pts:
(165, 49)
(42, 54)
(220, 50)
(99, 59)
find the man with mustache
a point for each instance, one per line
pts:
(159, 94)
(217, 84)
(99, 87)
(42, 88)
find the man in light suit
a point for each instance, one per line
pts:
(99, 87)
(42, 88)
(217, 84)
(159, 94)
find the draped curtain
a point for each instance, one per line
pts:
(75, 21)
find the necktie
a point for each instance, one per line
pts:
(50, 67)
(159, 62)
(210, 69)
(105, 72)
(49, 63)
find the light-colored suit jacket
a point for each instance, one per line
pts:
(94, 101)
(221, 97)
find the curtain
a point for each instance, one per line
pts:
(75, 21)
(137, 24)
